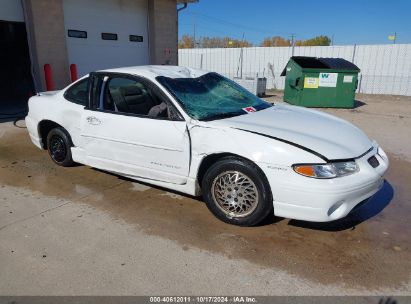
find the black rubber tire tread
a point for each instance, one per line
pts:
(61, 132)
(231, 163)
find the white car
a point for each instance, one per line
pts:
(197, 132)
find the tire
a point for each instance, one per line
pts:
(58, 146)
(237, 192)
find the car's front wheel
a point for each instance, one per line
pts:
(237, 192)
(59, 147)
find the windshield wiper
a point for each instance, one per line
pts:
(223, 115)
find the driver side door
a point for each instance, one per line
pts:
(131, 128)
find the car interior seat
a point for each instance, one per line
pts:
(118, 101)
(136, 99)
(159, 110)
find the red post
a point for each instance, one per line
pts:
(49, 77)
(73, 72)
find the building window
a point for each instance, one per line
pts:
(77, 34)
(135, 38)
(109, 36)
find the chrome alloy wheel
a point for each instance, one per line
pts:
(235, 193)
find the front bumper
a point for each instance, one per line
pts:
(317, 200)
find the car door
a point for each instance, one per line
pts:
(121, 135)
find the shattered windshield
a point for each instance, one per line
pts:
(212, 96)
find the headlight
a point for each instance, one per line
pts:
(329, 170)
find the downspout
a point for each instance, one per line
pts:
(183, 7)
(178, 11)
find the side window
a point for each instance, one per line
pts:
(78, 93)
(126, 95)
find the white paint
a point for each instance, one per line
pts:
(328, 80)
(129, 145)
(151, 148)
(331, 136)
(123, 17)
(11, 10)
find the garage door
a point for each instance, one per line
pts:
(105, 34)
(11, 10)
(15, 68)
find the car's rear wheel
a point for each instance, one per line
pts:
(59, 147)
(237, 192)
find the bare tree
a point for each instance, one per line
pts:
(275, 41)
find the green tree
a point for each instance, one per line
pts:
(318, 40)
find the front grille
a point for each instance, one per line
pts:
(373, 161)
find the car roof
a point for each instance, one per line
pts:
(152, 71)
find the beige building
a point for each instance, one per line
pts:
(92, 34)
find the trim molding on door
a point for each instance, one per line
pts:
(134, 143)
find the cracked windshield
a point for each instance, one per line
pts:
(212, 96)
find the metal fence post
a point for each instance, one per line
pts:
(353, 53)
(359, 83)
(241, 56)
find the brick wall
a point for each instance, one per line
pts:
(163, 31)
(45, 26)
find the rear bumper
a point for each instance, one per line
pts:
(317, 200)
(31, 125)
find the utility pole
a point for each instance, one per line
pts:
(393, 38)
(242, 56)
(332, 39)
(194, 32)
(292, 44)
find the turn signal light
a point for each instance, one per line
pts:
(305, 170)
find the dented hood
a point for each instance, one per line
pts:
(322, 133)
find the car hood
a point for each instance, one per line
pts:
(332, 137)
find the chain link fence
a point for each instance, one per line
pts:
(385, 69)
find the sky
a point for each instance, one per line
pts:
(347, 21)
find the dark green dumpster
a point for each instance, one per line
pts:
(320, 82)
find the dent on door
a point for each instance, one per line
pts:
(93, 120)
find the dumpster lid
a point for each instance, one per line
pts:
(339, 64)
(322, 63)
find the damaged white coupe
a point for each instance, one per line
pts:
(200, 133)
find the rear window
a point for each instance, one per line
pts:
(78, 93)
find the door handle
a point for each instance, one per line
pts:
(93, 120)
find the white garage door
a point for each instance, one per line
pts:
(11, 10)
(106, 33)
